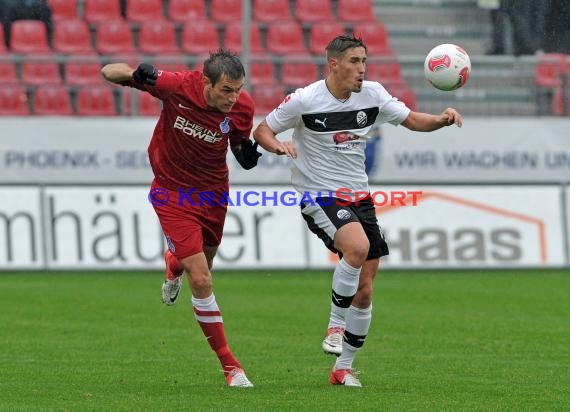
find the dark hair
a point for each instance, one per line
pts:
(223, 62)
(340, 44)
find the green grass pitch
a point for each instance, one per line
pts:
(441, 341)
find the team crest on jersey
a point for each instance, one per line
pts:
(361, 118)
(225, 125)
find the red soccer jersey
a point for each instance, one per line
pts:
(189, 145)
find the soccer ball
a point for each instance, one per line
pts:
(447, 67)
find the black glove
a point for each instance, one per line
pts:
(145, 74)
(246, 154)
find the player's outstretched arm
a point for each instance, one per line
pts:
(424, 122)
(117, 72)
(120, 73)
(268, 140)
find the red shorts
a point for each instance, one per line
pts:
(188, 222)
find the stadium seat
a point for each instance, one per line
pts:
(97, 11)
(145, 104)
(296, 74)
(549, 69)
(312, 11)
(158, 38)
(165, 65)
(82, 71)
(320, 34)
(113, 37)
(13, 101)
(29, 36)
(383, 71)
(8, 73)
(3, 49)
(232, 38)
(63, 10)
(267, 98)
(72, 37)
(183, 11)
(96, 101)
(261, 72)
(52, 101)
(199, 37)
(271, 10)
(225, 11)
(286, 38)
(36, 72)
(355, 11)
(402, 92)
(375, 36)
(142, 11)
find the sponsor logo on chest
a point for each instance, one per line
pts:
(196, 130)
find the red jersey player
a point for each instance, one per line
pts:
(202, 112)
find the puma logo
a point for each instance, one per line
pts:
(321, 121)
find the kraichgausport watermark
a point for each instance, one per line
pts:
(343, 197)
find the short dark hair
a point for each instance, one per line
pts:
(223, 62)
(340, 44)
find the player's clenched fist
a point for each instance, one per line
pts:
(145, 74)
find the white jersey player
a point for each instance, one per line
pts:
(331, 119)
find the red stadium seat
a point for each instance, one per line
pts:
(321, 34)
(286, 38)
(383, 71)
(96, 101)
(375, 37)
(63, 9)
(267, 98)
(261, 72)
(13, 101)
(81, 72)
(72, 37)
(158, 37)
(296, 74)
(271, 10)
(549, 69)
(199, 37)
(232, 38)
(97, 11)
(312, 11)
(8, 73)
(142, 11)
(183, 11)
(169, 66)
(52, 101)
(225, 10)
(29, 36)
(36, 72)
(355, 10)
(145, 104)
(114, 37)
(2, 41)
(402, 92)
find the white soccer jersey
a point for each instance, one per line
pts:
(330, 134)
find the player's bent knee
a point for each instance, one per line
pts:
(356, 254)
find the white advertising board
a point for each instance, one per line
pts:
(479, 226)
(21, 229)
(113, 150)
(102, 227)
